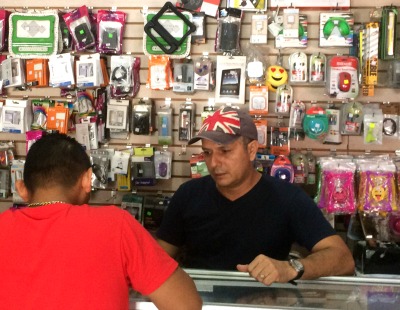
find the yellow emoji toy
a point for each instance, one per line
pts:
(276, 76)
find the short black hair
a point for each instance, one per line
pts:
(55, 159)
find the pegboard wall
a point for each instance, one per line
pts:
(133, 42)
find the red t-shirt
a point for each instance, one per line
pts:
(62, 256)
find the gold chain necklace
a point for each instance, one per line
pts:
(45, 203)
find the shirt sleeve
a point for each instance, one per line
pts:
(147, 265)
(307, 221)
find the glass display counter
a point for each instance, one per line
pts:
(236, 290)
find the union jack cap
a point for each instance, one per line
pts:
(225, 126)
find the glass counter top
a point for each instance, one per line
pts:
(236, 290)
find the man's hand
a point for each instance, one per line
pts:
(267, 270)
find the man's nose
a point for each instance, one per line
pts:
(214, 160)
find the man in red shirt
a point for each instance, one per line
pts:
(60, 253)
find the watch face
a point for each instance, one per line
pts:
(296, 264)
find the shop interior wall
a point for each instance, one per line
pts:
(181, 168)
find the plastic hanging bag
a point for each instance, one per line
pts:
(339, 190)
(228, 31)
(377, 190)
(110, 31)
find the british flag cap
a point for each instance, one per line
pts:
(226, 125)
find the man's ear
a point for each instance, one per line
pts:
(252, 149)
(22, 190)
(86, 180)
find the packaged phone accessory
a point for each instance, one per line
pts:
(228, 31)
(298, 67)
(352, 115)
(284, 99)
(142, 116)
(164, 124)
(255, 66)
(317, 71)
(203, 73)
(118, 118)
(373, 126)
(282, 169)
(342, 79)
(33, 34)
(4, 15)
(79, 25)
(110, 31)
(297, 113)
(88, 71)
(168, 32)
(160, 73)
(258, 102)
(183, 76)
(61, 73)
(231, 79)
(336, 29)
(315, 123)
(186, 120)
(163, 164)
(37, 72)
(280, 143)
(16, 116)
(143, 168)
(333, 135)
(259, 29)
(262, 132)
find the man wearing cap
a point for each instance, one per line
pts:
(238, 219)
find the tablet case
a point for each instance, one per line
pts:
(33, 35)
(168, 32)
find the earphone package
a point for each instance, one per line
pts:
(258, 102)
(204, 76)
(390, 126)
(124, 79)
(336, 29)
(352, 114)
(262, 132)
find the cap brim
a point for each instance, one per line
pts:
(217, 137)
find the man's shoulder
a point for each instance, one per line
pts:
(101, 211)
(275, 185)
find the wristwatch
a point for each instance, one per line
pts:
(298, 266)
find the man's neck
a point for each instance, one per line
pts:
(233, 193)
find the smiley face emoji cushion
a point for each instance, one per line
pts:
(276, 76)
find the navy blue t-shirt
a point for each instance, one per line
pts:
(218, 233)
